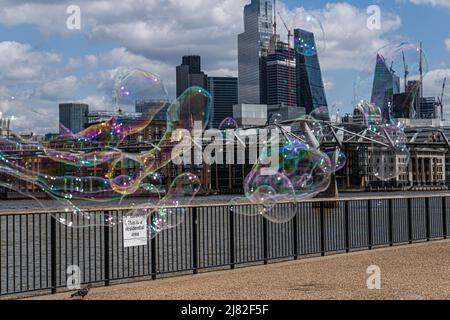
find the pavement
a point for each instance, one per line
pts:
(414, 272)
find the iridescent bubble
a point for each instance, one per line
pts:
(91, 166)
(301, 172)
(228, 124)
(276, 118)
(389, 156)
(139, 86)
(338, 159)
(169, 214)
(368, 114)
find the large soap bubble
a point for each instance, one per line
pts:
(92, 166)
(389, 156)
(139, 87)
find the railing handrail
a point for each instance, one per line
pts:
(227, 204)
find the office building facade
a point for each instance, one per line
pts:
(73, 116)
(224, 94)
(278, 74)
(310, 87)
(189, 74)
(385, 85)
(253, 46)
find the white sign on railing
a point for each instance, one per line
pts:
(134, 231)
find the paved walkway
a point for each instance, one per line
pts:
(408, 272)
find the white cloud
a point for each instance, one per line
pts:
(19, 63)
(447, 43)
(433, 87)
(154, 34)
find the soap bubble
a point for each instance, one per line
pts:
(338, 159)
(302, 172)
(228, 124)
(390, 156)
(92, 165)
(276, 118)
(368, 114)
(169, 214)
(139, 87)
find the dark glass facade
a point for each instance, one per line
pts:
(310, 88)
(277, 76)
(224, 93)
(73, 116)
(189, 74)
(385, 85)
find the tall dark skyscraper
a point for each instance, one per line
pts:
(253, 44)
(385, 85)
(224, 93)
(189, 74)
(73, 116)
(277, 75)
(310, 88)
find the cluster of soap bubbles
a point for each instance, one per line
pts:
(291, 168)
(92, 166)
(387, 89)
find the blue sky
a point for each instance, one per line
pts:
(43, 63)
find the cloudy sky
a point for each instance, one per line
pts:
(42, 62)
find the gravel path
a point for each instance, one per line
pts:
(407, 273)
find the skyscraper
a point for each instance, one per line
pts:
(277, 75)
(253, 44)
(189, 74)
(385, 84)
(73, 116)
(310, 88)
(224, 93)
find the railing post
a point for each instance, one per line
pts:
(427, 218)
(53, 252)
(347, 226)
(231, 240)
(369, 224)
(391, 223)
(444, 217)
(153, 256)
(410, 235)
(106, 232)
(194, 240)
(322, 229)
(265, 242)
(295, 231)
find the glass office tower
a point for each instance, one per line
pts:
(253, 44)
(310, 88)
(385, 85)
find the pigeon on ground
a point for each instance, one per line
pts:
(82, 292)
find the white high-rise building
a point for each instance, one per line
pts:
(253, 44)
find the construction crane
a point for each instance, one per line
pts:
(406, 71)
(441, 99)
(289, 60)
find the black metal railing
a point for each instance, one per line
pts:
(36, 250)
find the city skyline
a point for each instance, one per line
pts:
(48, 65)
